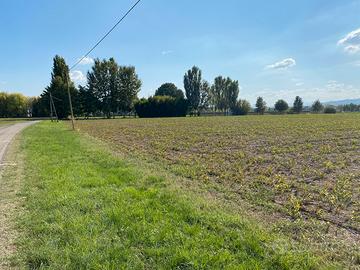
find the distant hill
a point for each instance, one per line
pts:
(343, 102)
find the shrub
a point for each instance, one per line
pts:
(330, 110)
(161, 106)
(242, 107)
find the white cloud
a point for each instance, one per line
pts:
(77, 76)
(166, 52)
(352, 49)
(351, 42)
(283, 64)
(87, 61)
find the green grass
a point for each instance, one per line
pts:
(299, 174)
(86, 209)
(10, 121)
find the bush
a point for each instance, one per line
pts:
(161, 106)
(330, 110)
(242, 107)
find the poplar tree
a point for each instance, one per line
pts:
(192, 86)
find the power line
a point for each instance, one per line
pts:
(88, 53)
(105, 36)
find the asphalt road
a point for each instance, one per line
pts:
(7, 133)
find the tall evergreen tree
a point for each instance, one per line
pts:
(60, 81)
(87, 102)
(192, 85)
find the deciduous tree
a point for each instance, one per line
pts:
(260, 105)
(317, 106)
(298, 104)
(169, 89)
(281, 106)
(192, 85)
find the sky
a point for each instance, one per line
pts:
(275, 49)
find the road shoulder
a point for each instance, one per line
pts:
(11, 175)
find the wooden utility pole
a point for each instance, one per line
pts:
(70, 104)
(51, 107)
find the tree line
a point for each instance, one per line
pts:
(15, 105)
(221, 96)
(112, 89)
(199, 96)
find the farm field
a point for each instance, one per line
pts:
(297, 174)
(86, 208)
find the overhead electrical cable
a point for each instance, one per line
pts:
(106, 35)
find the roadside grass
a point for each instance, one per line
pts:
(86, 209)
(11, 177)
(10, 121)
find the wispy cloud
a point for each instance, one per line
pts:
(351, 42)
(167, 52)
(283, 64)
(298, 82)
(77, 76)
(352, 49)
(87, 61)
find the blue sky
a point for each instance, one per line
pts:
(276, 49)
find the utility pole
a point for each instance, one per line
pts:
(70, 104)
(51, 107)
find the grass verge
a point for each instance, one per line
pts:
(11, 176)
(86, 209)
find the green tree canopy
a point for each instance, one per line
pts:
(169, 89)
(281, 106)
(205, 95)
(14, 105)
(58, 88)
(260, 105)
(242, 107)
(317, 106)
(298, 104)
(192, 85)
(115, 87)
(224, 93)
